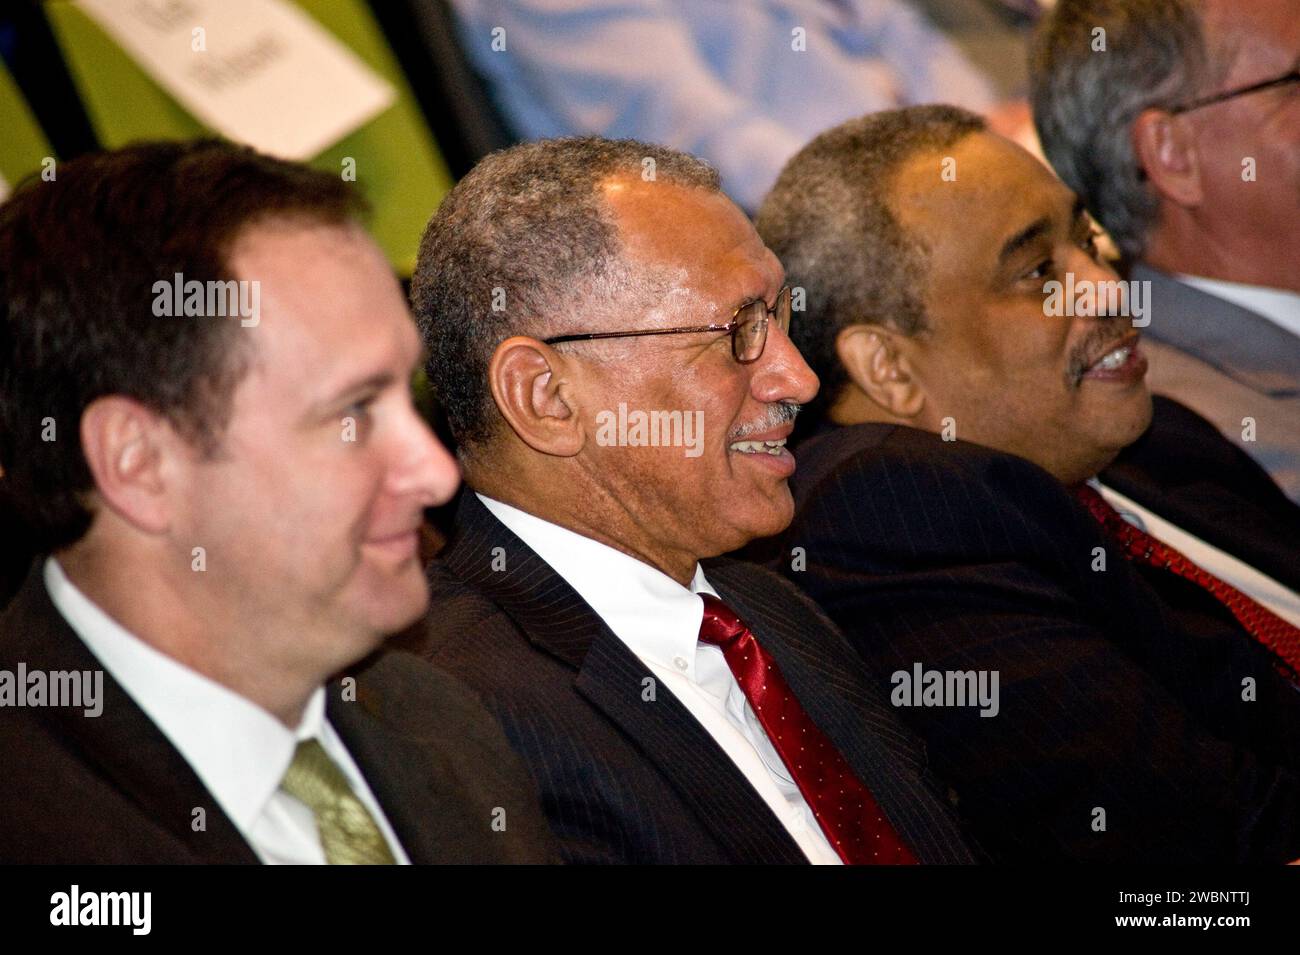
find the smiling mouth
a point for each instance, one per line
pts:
(398, 546)
(1113, 362)
(759, 447)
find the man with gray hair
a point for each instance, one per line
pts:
(1178, 122)
(609, 338)
(1141, 715)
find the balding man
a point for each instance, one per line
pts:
(1141, 714)
(1178, 122)
(609, 337)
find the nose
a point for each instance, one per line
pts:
(781, 374)
(421, 468)
(1086, 268)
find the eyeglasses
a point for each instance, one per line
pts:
(1286, 78)
(748, 328)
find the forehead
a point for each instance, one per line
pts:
(329, 304)
(1261, 38)
(998, 189)
(702, 235)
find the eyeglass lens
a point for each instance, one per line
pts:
(751, 328)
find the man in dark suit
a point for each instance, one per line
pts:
(1141, 714)
(207, 427)
(1183, 138)
(609, 338)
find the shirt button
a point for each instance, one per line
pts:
(681, 663)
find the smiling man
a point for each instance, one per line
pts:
(229, 506)
(1147, 710)
(670, 711)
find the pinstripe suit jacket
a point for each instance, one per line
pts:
(624, 779)
(1116, 698)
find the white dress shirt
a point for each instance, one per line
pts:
(1260, 587)
(1279, 306)
(659, 620)
(238, 750)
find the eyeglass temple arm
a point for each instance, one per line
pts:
(590, 336)
(1232, 94)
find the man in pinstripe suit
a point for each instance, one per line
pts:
(937, 521)
(608, 336)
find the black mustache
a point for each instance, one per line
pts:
(1106, 331)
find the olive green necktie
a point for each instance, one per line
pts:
(348, 832)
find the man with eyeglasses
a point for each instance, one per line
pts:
(670, 711)
(1178, 122)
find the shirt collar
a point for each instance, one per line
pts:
(1280, 306)
(656, 617)
(237, 749)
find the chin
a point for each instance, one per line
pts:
(1132, 424)
(771, 521)
(398, 605)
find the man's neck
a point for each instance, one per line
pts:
(589, 511)
(1225, 258)
(183, 627)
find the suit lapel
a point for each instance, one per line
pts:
(552, 615)
(122, 743)
(409, 779)
(1239, 343)
(830, 683)
(614, 681)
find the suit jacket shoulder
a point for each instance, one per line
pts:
(959, 559)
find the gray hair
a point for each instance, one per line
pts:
(830, 221)
(525, 245)
(1085, 100)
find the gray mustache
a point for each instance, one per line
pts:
(778, 414)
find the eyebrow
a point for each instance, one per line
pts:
(1035, 230)
(375, 382)
(760, 297)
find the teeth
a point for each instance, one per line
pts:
(759, 447)
(1115, 359)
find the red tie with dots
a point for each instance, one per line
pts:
(844, 808)
(1268, 628)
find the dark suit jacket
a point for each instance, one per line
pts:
(1115, 694)
(112, 788)
(1184, 470)
(627, 779)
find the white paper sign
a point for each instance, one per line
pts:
(261, 72)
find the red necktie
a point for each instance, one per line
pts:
(844, 808)
(1268, 628)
